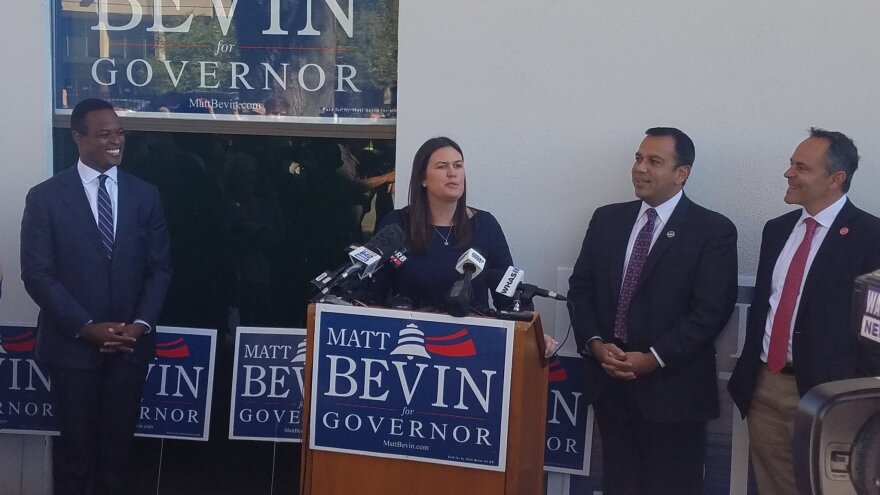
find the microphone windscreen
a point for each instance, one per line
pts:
(388, 239)
(510, 281)
(473, 258)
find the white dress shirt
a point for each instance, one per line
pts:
(824, 219)
(664, 211)
(91, 183)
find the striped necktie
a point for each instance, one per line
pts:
(105, 217)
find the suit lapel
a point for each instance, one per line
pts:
(74, 195)
(618, 241)
(671, 231)
(125, 216)
(832, 246)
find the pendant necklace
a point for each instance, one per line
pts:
(446, 238)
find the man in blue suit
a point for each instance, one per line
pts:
(95, 258)
(654, 284)
(800, 331)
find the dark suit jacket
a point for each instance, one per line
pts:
(67, 274)
(685, 296)
(824, 345)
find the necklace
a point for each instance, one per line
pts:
(445, 238)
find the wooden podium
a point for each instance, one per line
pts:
(331, 473)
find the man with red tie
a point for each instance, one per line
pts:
(800, 332)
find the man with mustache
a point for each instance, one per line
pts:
(654, 284)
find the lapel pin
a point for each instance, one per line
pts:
(844, 230)
(670, 234)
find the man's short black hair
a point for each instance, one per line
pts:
(82, 109)
(842, 153)
(684, 147)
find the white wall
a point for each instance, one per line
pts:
(549, 101)
(25, 141)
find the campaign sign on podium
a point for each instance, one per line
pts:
(267, 384)
(416, 386)
(177, 394)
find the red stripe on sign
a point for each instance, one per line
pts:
(558, 375)
(173, 343)
(25, 336)
(462, 349)
(19, 346)
(177, 352)
(457, 335)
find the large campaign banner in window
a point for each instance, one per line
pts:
(322, 61)
(177, 394)
(267, 384)
(406, 385)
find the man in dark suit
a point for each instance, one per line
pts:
(800, 332)
(654, 284)
(95, 259)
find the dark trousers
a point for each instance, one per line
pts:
(641, 458)
(97, 413)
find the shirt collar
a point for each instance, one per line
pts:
(665, 209)
(826, 217)
(87, 174)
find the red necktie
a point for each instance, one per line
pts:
(791, 289)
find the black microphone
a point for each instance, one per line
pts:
(400, 302)
(364, 260)
(529, 291)
(458, 300)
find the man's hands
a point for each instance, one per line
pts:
(622, 365)
(113, 337)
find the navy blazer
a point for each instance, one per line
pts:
(824, 340)
(686, 294)
(68, 275)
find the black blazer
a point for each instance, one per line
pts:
(824, 345)
(66, 272)
(685, 296)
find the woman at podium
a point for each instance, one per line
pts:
(439, 229)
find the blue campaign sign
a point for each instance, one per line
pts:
(267, 384)
(568, 441)
(177, 395)
(26, 405)
(410, 385)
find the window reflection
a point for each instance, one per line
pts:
(252, 220)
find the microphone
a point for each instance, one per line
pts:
(458, 300)
(365, 260)
(472, 261)
(512, 282)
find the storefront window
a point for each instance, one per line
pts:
(317, 61)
